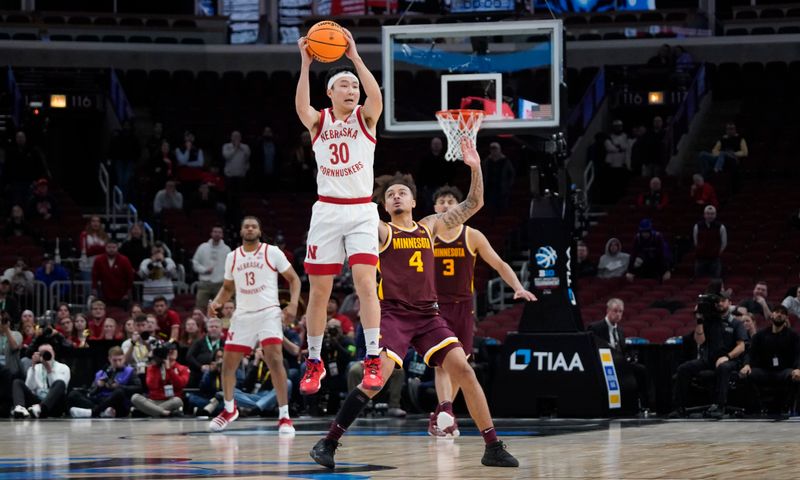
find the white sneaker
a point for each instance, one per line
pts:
(108, 413)
(20, 412)
(285, 426)
(447, 424)
(36, 410)
(77, 412)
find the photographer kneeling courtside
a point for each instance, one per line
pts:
(44, 391)
(166, 379)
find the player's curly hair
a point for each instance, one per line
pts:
(333, 71)
(387, 181)
(445, 190)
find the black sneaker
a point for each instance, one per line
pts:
(324, 451)
(496, 455)
(716, 412)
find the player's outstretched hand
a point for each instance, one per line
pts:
(524, 295)
(213, 309)
(302, 44)
(470, 153)
(351, 51)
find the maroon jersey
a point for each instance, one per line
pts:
(455, 268)
(406, 268)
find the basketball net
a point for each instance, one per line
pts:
(458, 124)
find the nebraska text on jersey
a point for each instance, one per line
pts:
(346, 132)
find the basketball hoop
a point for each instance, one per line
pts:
(458, 124)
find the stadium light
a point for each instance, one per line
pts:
(58, 101)
(655, 98)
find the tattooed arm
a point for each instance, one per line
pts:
(474, 201)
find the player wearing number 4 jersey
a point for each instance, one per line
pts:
(344, 222)
(409, 314)
(251, 272)
(456, 250)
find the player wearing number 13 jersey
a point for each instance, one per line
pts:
(409, 314)
(344, 222)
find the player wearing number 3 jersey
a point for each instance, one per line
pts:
(344, 222)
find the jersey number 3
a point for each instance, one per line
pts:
(416, 261)
(250, 278)
(339, 153)
(449, 267)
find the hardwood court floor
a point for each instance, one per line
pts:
(398, 449)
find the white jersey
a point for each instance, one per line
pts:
(255, 276)
(345, 153)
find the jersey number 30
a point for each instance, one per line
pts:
(339, 153)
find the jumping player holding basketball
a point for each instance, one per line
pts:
(344, 222)
(456, 249)
(409, 314)
(251, 272)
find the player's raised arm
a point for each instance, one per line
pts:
(309, 116)
(474, 201)
(490, 256)
(373, 105)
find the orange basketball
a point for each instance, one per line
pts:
(326, 41)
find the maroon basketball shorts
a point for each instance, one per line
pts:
(427, 332)
(460, 317)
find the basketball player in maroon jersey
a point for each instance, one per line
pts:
(456, 250)
(409, 314)
(344, 222)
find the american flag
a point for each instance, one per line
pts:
(539, 112)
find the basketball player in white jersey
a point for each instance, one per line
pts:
(251, 272)
(344, 222)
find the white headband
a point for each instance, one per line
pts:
(339, 75)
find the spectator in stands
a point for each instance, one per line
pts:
(725, 339)
(66, 327)
(168, 198)
(203, 350)
(97, 317)
(137, 348)
(710, 240)
(498, 178)
(158, 271)
(757, 304)
(7, 301)
(112, 276)
(10, 345)
(654, 151)
(50, 272)
(614, 262)
(209, 264)
(266, 156)
(615, 166)
(584, 266)
(169, 322)
(237, 161)
(205, 402)
(166, 379)
(110, 393)
(190, 333)
(124, 151)
(111, 330)
(792, 304)
(206, 198)
(41, 204)
(135, 246)
(23, 165)
(63, 311)
(663, 58)
(162, 164)
(257, 393)
(15, 225)
(702, 192)
(21, 278)
(93, 242)
(227, 313)
(749, 324)
(128, 328)
(28, 330)
(610, 330)
(44, 392)
(189, 155)
(655, 197)
(200, 318)
(651, 255)
(303, 164)
(344, 321)
(82, 331)
(728, 151)
(774, 356)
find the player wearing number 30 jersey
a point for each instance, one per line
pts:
(344, 222)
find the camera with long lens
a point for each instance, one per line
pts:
(47, 356)
(161, 352)
(707, 307)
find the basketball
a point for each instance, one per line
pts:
(326, 41)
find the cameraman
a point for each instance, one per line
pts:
(110, 393)
(44, 390)
(166, 379)
(137, 348)
(158, 272)
(725, 338)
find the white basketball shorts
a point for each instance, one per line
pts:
(341, 231)
(249, 329)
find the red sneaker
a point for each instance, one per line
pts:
(285, 426)
(372, 374)
(433, 428)
(225, 418)
(315, 372)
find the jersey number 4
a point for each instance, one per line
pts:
(250, 278)
(339, 153)
(416, 261)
